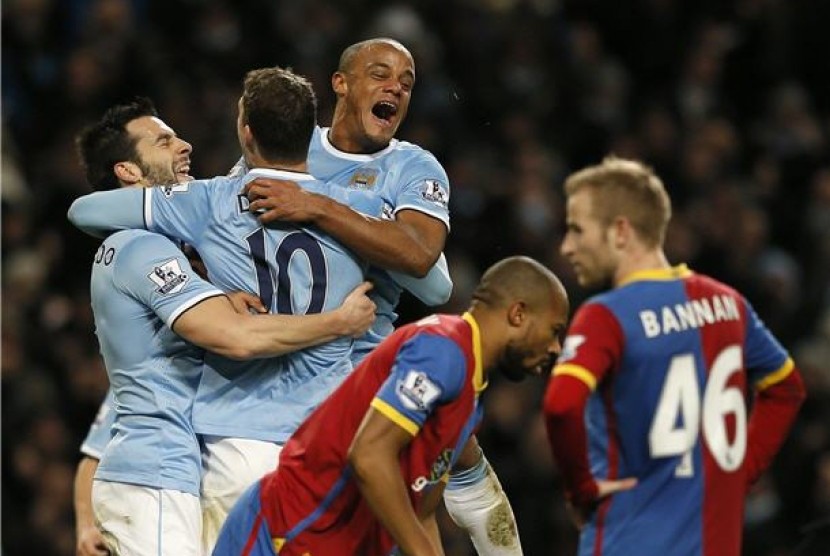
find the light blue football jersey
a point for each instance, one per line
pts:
(100, 431)
(405, 176)
(293, 269)
(141, 283)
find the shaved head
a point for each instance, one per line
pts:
(520, 279)
(348, 56)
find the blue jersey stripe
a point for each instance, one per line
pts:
(335, 491)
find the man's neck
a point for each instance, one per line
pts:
(343, 140)
(492, 335)
(255, 161)
(639, 261)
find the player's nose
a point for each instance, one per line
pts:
(185, 147)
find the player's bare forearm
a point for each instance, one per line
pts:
(410, 244)
(215, 325)
(89, 541)
(373, 457)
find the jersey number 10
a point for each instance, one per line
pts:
(295, 241)
(680, 397)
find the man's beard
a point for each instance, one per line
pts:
(158, 176)
(511, 364)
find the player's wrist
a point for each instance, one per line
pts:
(341, 324)
(318, 207)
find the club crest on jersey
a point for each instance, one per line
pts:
(436, 193)
(169, 190)
(570, 346)
(364, 178)
(416, 391)
(169, 277)
(440, 468)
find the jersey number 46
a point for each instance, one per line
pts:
(680, 412)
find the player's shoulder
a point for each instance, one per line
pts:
(413, 153)
(138, 244)
(439, 323)
(708, 284)
(450, 328)
(126, 238)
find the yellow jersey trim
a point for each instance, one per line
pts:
(278, 543)
(662, 274)
(479, 381)
(777, 376)
(395, 416)
(576, 371)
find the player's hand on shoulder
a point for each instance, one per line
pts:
(246, 303)
(280, 200)
(357, 311)
(91, 543)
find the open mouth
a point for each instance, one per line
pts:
(183, 172)
(385, 111)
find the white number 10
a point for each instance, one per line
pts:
(680, 397)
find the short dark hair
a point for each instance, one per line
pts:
(280, 108)
(520, 278)
(105, 143)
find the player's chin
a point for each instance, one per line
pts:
(381, 131)
(515, 373)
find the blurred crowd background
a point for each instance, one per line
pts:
(728, 99)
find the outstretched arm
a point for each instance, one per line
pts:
(411, 243)
(373, 456)
(103, 212)
(215, 325)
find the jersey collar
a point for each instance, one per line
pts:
(291, 175)
(658, 274)
(334, 151)
(479, 382)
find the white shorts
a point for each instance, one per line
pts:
(145, 521)
(229, 467)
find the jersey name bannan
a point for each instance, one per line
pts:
(691, 314)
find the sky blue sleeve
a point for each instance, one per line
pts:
(184, 211)
(103, 212)
(100, 431)
(763, 354)
(425, 187)
(429, 371)
(433, 289)
(153, 270)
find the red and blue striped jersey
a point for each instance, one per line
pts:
(426, 377)
(669, 356)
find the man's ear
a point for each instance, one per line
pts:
(128, 172)
(248, 139)
(338, 83)
(622, 232)
(516, 313)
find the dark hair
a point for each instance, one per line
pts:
(520, 278)
(106, 142)
(280, 108)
